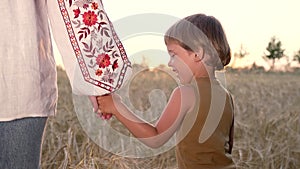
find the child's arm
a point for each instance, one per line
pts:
(181, 101)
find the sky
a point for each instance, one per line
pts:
(250, 23)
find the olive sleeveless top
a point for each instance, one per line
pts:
(213, 119)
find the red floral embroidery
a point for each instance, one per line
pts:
(76, 12)
(115, 65)
(90, 18)
(85, 6)
(111, 81)
(94, 5)
(98, 72)
(100, 48)
(108, 76)
(103, 60)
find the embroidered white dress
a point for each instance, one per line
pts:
(95, 60)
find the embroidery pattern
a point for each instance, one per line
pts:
(99, 52)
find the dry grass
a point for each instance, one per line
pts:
(267, 128)
(267, 121)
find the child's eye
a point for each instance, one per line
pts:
(172, 54)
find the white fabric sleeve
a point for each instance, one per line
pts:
(93, 56)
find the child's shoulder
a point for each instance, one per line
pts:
(186, 94)
(185, 91)
(185, 88)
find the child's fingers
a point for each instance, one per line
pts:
(108, 116)
(104, 116)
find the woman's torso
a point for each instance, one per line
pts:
(27, 66)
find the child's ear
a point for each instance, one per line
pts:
(199, 55)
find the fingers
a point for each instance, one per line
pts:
(102, 109)
(103, 98)
(96, 109)
(104, 103)
(104, 116)
(93, 99)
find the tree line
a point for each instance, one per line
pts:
(274, 52)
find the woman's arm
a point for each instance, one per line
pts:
(181, 101)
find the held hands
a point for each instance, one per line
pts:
(107, 104)
(94, 102)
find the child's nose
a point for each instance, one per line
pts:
(169, 64)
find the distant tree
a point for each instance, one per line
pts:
(297, 56)
(274, 50)
(240, 54)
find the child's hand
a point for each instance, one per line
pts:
(104, 116)
(94, 102)
(107, 104)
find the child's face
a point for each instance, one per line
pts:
(181, 62)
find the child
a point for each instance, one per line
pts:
(200, 113)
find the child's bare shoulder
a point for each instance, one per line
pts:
(185, 91)
(184, 88)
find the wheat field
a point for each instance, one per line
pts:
(267, 125)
